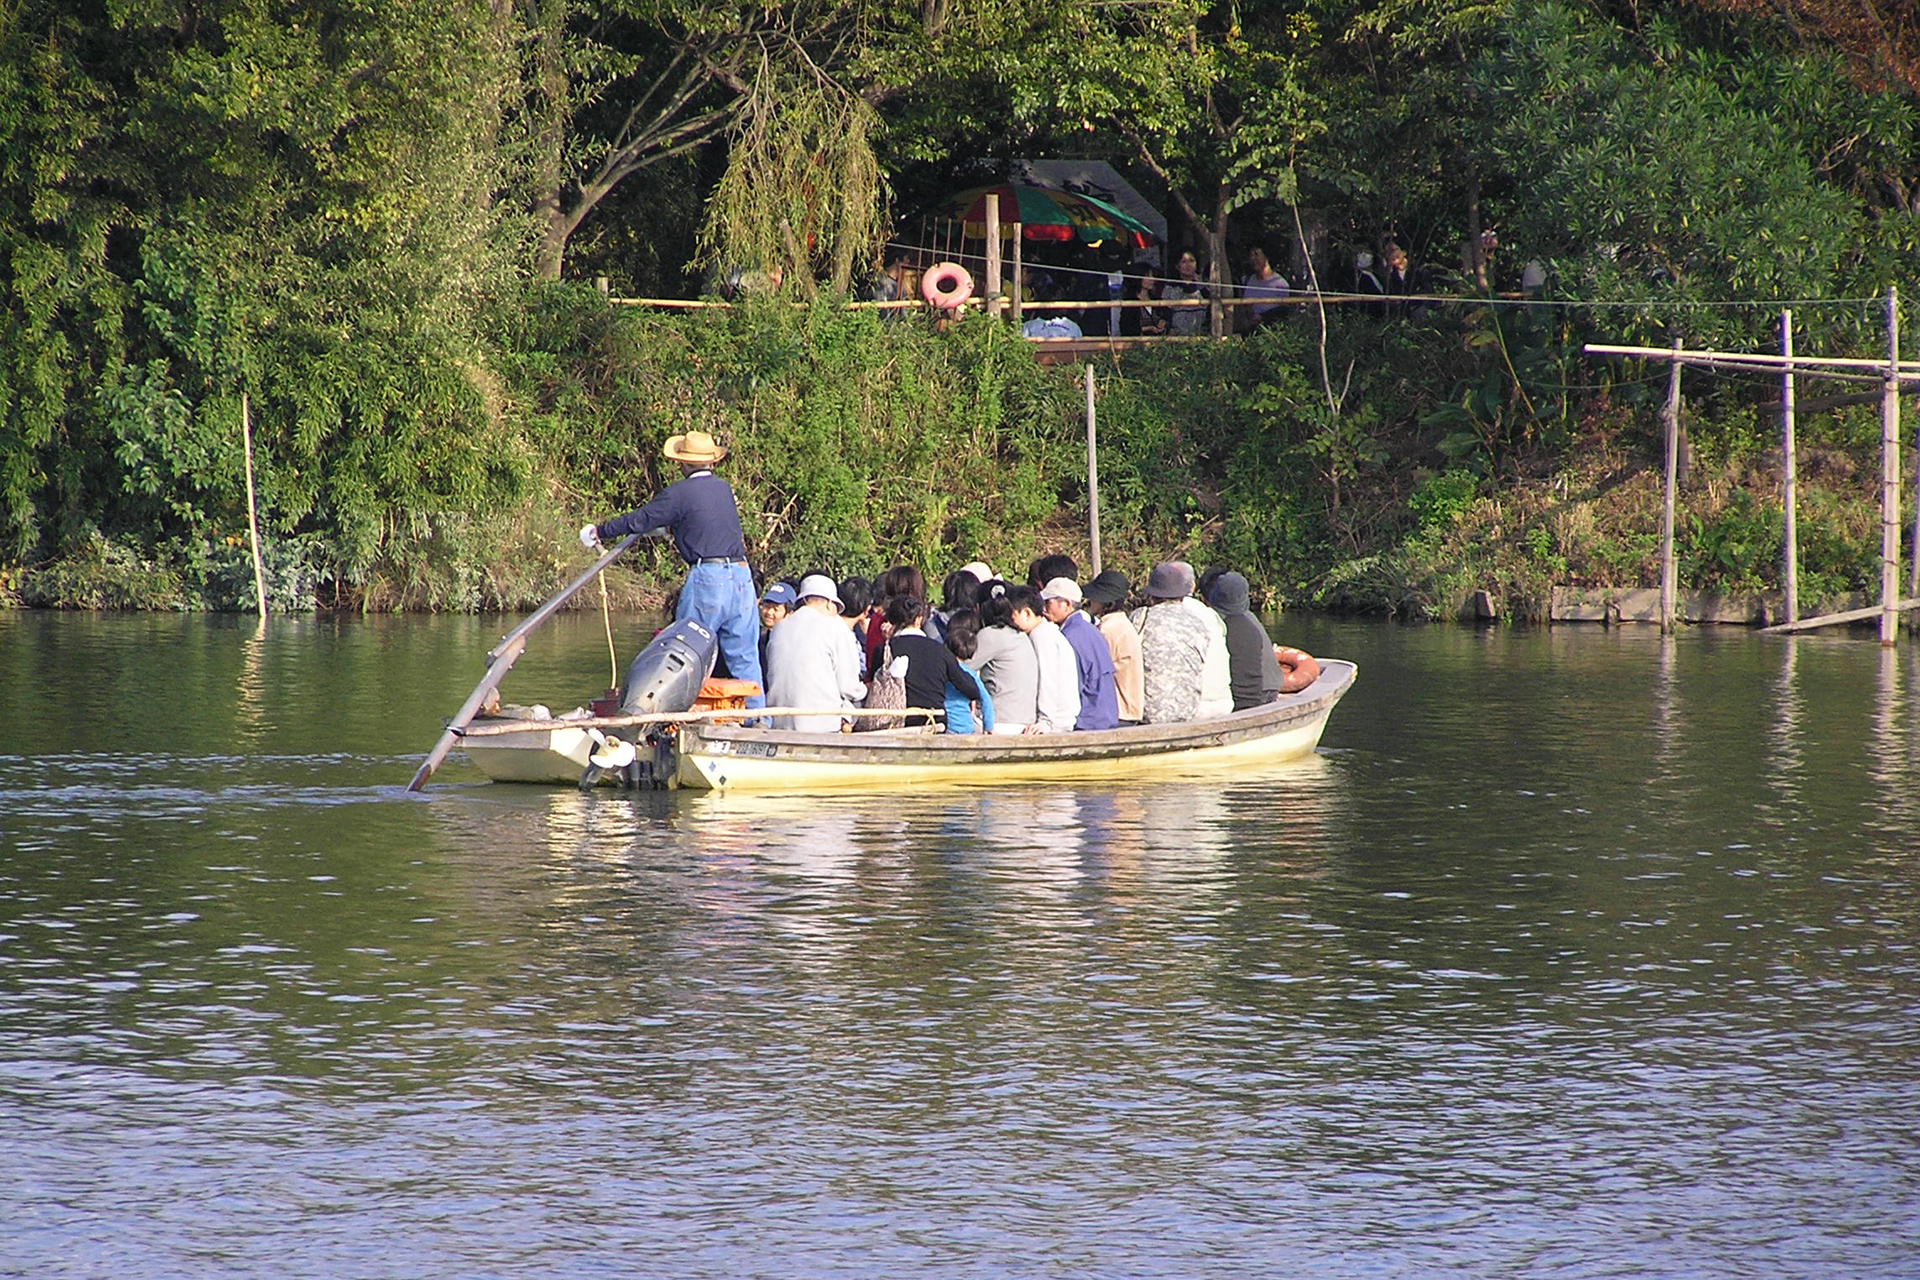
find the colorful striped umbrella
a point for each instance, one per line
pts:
(1045, 214)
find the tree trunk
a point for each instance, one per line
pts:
(1217, 270)
(1473, 259)
(547, 102)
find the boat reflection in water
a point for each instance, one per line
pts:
(828, 873)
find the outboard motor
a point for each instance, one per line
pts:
(667, 674)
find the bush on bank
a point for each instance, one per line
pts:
(1458, 451)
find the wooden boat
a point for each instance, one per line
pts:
(708, 751)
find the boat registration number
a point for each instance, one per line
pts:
(755, 750)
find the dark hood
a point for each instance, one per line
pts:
(1229, 593)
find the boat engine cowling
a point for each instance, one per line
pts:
(667, 674)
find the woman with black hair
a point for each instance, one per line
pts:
(930, 668)
(1007, 662)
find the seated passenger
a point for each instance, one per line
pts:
(856, 611)
(813, 663)
(1173, 646)
(960, 591)
(1216, 678)
(1060, 599)
(1256, 675)
(1057, 686)
(901, 580)
(1047, 568)
(963, 628)
(1105, 594)
(1005, 659)
(776, 602)
(930, 666)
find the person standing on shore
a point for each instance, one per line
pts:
(698, 510)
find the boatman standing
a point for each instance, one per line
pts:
(699, 512)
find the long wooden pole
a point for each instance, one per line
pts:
(500, 660)
(1669, 567)
(1019, 280)
(993, 254)
(1909, 369)
(1890, 479)
(1789, 476)
(1093, 474)
(1913, 565)
(502, 728)
(253, 514)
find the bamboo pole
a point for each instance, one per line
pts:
(1093, 474)
(993, 254)
(1019, 281)
(500, 660)
(501, 728)
(1890, 479)
(253, 514)
(1910, 369)
(1789, 479)
(1837, 619)
(1669, 567)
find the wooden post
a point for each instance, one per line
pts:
(1789, 482)
(1669, 567)
(253, 515)
(1019, 283)
(1093, 475)
(1890, 478)
(993, 254)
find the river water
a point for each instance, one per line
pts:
(1573, 953)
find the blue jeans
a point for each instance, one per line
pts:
(721, 598)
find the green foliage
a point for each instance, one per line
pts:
(1649, 173)
(1442, 497)
(856, 441)
(1735, 549)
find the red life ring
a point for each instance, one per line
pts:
(1297, 668)
(946, 284)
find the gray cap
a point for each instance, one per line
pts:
(1170, 580)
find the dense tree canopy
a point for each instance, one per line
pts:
(342, 211)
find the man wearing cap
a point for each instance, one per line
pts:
(1104, 596)
(1173, 646)
(1057, 704)
(1060, 601)
(776, 602)
(813, 663)
(699, 511)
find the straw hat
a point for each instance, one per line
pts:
(695, 446)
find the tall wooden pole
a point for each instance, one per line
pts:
(1789, 481)
(1669, 566)
(993, 254)
(1019, 282)
(253, 514)
(1093, 475)
(1890, 478)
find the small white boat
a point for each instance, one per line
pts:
(713, 754)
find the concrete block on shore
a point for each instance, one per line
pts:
(1610, 605)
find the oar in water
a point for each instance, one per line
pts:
(501, 658)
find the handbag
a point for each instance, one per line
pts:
(886, 691)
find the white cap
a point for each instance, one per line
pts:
(978, 569)
(819, 584)
(1062, 589)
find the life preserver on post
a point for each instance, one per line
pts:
(1298, 669)
(946, 284)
